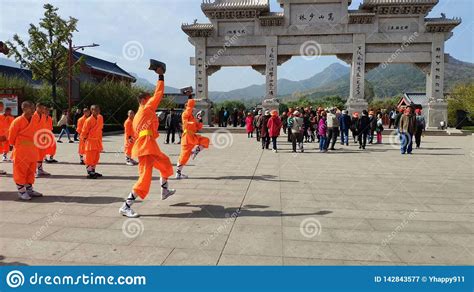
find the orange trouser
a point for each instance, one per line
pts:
(82, 147)
(4, 147)
(128, 149)
(145, 170)
(92, 158)
(24, 172)
(187, 149)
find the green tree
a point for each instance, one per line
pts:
(45, 53)
(462, 98)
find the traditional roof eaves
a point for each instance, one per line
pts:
(242, 4)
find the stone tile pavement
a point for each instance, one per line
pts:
(245, 206)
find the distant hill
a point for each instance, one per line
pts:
(395, 79)
(285, 86)
(147, 85)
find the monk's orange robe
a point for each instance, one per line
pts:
(129, 137)
(190, 138)
(145, 126)
(92, 133)
(42, 138)
(80, 126)
(25, 153)
(7, 120)
(51, 150)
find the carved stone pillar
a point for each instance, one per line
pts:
(271, 76)
(202, 98)
(438, 107)
(356, 101)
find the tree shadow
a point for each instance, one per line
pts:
(221, 212)
(4, 263)
(94, 200)
(269, 178)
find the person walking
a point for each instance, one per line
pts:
(420, 127)
(258, 124)
(274, 128)
(345, 125)
(379, 128)
(249, 125)
(332, 128)
(363, 128)
(284, 122)
(392, 115)
(264, 131)
(75, 118)
(63, 123)
(171, 124)
(354, 126)
(407, 128)
(322, 132)
(296, 124)
(373, 125)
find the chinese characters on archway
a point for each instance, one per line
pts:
(271, 63)
(359, 72)
(309, 17)
(437, 71)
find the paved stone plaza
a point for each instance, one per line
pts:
(245, 206)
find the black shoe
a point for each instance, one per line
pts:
(91, 176)
(98, 174)
(82, 162)
(70, 141)
(59, 141)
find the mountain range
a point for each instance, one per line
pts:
(390, 81)
(393, 80)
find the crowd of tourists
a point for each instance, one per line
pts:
(327, 127)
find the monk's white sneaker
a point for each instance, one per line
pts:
(128, 212)
(166, 193)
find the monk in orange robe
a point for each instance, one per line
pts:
(8, 119)
(51, 150)
(190, 139)
(80, 125)
(3, 133)
(145, 126)
(25, 153)
(129, 138)
(43, 138)
(92, 135)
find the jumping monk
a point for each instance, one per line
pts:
(25, 153)
(145, 125)
(42, 138)
(92, 135)
(3, 133)
(51, 150)
(8, 119)
(129, 138)
(80, 125)
(190, 139)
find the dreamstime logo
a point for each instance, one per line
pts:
(132, 50)
(396, 140)
(310, 50)
(407, 41)
(222, 139)
(310, 227)
(132, 228)
(15, 279)
(43, 139)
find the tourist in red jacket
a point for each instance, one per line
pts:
(274, 126)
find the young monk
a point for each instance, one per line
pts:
(3, 133)
(8, 119)
(92, 135)
(80, 125)
(129, 138)
(25, 153)
(190, 139)
(42, 138)
(145, 126)
(51, 150)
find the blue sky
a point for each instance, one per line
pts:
(156, 26)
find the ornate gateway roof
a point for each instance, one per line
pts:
(441, 24)
(228, 9)
(399, 6)
(198, 29)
